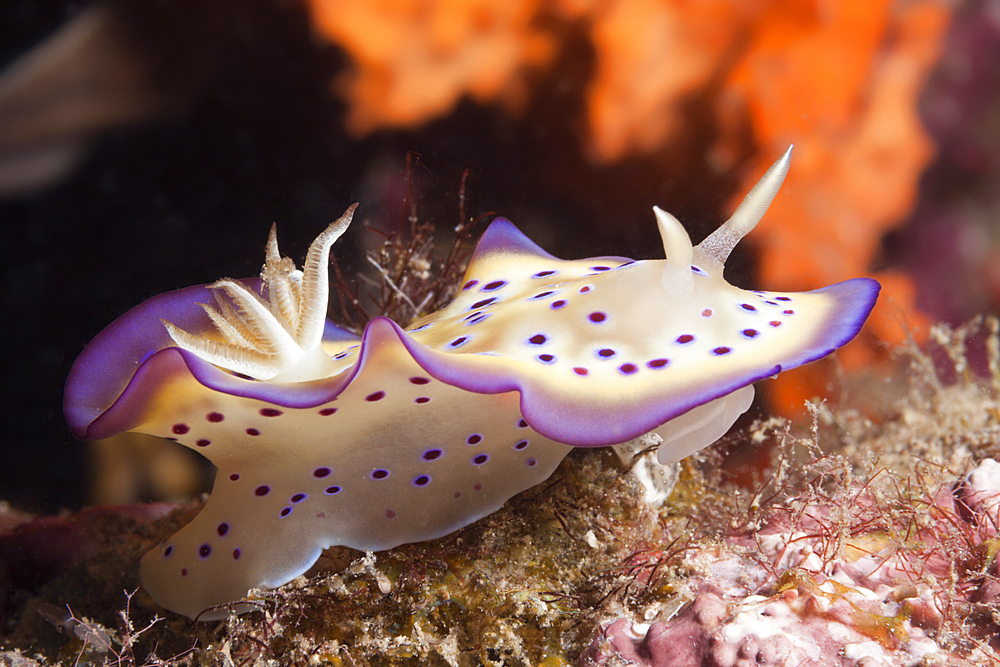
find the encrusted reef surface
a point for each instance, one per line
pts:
(870, 538)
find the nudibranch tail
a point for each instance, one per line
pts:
(279, 338)
(394, 456)
(721, 242)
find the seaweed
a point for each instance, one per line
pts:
(415, 274)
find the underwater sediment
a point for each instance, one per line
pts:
(869, 538)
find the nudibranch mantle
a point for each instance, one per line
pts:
(325, 438)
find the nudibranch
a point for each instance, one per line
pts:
(323, 438)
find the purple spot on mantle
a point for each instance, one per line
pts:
(546, 358)
(537, 339)
(461, 340)
(285, 512)
(421, 480)
(222, 529)
(326, 412)
(169, 550)
(262, 490)
(580, 370)
(180, 429)
(379, 473)
(418, 380)
(297, 498)
(495, 285)
(470, 284)
(332, 490)
(431, 454)
(750, 333)
(597, 317)
(204, 551)
(782, 298)
(606, 353)
(480, 459)
(657, 363)
(483, 303)
(270, 412)
(203, 443)
(719, 351)
(628, 369)
(556, 305)
(377, 396)
(684, 339)
(421, 400)
(215, 417)
(521, 445)
(474, 439)
(234, 477)
(321, 472)
(543, 274)
(236, 554)
(747, 306)
(541, 295)
(252, 431)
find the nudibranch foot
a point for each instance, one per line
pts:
(325, 438)
(397, 457)
(639, 457)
